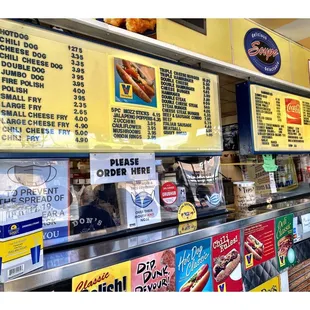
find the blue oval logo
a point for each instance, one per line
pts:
(262, 51)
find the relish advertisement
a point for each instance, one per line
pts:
(226, 262)
(284, 241)
(193, 267)
(154, 273)
(272, 285)
(259, 245)
(116, 278)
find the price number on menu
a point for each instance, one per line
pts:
(151, 126)
(79, 94)
(207, 107)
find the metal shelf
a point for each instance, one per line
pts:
(99, 30)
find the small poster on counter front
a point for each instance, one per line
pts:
(284, 241)
(272, 285)
(259, 244)
(39, 182)
(121, 167)
(154, 273)
(115, 278)
(193, 267)
(226, 262)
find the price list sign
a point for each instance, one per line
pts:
(280, 121)
(59, 93)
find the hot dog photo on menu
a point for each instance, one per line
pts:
(134, 83)
(193, 267)
(226, 268)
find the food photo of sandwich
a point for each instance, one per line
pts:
(225, 265)
(198, 280)
(284, 244)
(255, 247)
(135, 83)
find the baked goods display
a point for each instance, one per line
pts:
(137, 25)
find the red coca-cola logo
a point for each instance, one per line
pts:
(293, 111)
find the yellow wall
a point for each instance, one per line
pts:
(225, 41)
(215, 44)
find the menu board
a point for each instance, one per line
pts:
(280, 121)
(61, 93)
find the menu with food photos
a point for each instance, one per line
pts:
(154, 273)
(226, 262)
(259, 243)
(194, 267)
(107, 99)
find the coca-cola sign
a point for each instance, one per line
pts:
(293, 112)
(262, 51)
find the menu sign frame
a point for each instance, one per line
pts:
(272, 121)
(63, 93)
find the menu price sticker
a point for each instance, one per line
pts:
(116, 278)
(193, 267)
(284, 241)
(281, 120)
(106, 98)
(154, 273)
(259, 243)
(226, 262)
(272, 285)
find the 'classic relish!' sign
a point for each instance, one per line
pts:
(262, 51)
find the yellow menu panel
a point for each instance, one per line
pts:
(280, 121)
(272, 285)
(59, 93)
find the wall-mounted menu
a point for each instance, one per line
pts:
(61, 93)
(280, 120)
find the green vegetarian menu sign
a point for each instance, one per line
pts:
(284, 241)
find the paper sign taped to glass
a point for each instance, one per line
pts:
(121, 167)
(39, 182)
(140, 202)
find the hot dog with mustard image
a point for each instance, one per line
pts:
(139, 77)
(198, 281)
(255, 247)
(225, 265)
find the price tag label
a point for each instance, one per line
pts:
(273, 186)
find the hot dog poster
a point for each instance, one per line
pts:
(116, 278)
(135, 83)
(259, 243)
(284, 241)
(193, 267)
(154, 273)
(226, 262)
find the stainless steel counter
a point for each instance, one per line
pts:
(65, 264)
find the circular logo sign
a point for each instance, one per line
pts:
(169, 193)
(187, 212)
(262, 51)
